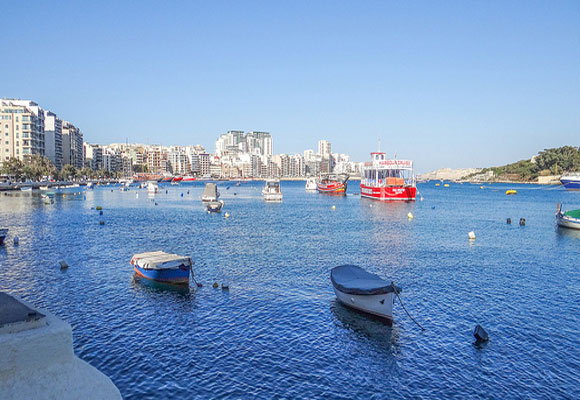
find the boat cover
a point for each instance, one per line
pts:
(210, 192)
(573, 213)
(160, 260)
(351, 279)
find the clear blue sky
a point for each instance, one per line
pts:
(448, 84)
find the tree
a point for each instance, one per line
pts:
(13, 167)
(68, 172)
(36, 167)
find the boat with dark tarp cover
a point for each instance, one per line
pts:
(356, 288)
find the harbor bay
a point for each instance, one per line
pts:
(279, 331)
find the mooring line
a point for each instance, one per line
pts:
(404, 308)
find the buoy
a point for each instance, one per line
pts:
(227, 215)
(99, 208)
(101, 222)
(480, 334)
(64, 195)
(433, 207)
(225, 284)
(471, 235)
(511, 191)
(188, 192)
(63, 264)
(410, 216)
(437, 184)
(100, 213)
(481, 187)
(215, 285)
(522, 221)
(509, 221)
(16, 241)
(334, 207)
(156, 203)
(136, 195)
(181, 194)
(84, 197)
(446, 185)
(166, 191)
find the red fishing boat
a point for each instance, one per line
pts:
(332, 184)
(177, 179)
(188, 179)
(388, 180)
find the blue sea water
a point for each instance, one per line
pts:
(279, 332)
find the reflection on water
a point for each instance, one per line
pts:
(150, 286)
(567, 232)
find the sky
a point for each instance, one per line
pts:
(445, 83)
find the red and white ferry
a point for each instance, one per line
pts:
(388, 180)
(332, 184)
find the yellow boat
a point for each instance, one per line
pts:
(511, 191)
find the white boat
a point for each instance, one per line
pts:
(152, 187)
(358, 289)
(311, 184)
(44, 187)
(210, 193)
(90, 185)
(571, 181)
(568, 219)
(214, 206)
(272, 191)
(3, 234)
(26, 189)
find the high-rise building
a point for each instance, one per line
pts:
(324, 148)
(73, 151)
(22, 129)
(93, 156)
(53, 138)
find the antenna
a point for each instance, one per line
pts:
(379, 144)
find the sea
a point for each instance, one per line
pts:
(278, 331)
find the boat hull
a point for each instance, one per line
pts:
(379, 305)
(389, 193)
(178, 276)
(3, 234)
(567, 221)
(272, 197)
(338, 188)
(571, 183)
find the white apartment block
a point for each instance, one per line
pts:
(21, 130)
(73, 151)
(53, 138)
(324, 148)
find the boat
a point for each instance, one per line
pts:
(3, 234)
(210, 193)
(311, 184)
(188, 179)
(511, 192)
(571, 181)
(568, 219)
(26, 188)
(388, 180)
(272, 191)
(144, 177)
(214, 206)
(166, 179)
(44, 187)
(162, 267)
(332, 184)
(177, 179)
(152, 187)
(90, 185)
(358, 289)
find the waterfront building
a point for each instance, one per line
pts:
(93, 156)
(179, 161)
(72, 145)
(324, 148)
(53, 138)
(157, 160)
(22, 129)
(204, 164)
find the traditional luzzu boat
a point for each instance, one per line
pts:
(3, 234)
(388, 180)
(332, 184)
(571, 181)
(162, 267)
(568, 219)
(358, 289)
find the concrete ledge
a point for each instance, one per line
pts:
(38, 362)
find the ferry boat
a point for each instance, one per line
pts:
(571, 181)
(311, 184)
(3, 234)
(568, 219)
(162, 267)
(332, 184)
(388, 180)
(272, 191)
(356, 288)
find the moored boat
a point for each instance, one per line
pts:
(166, 179)
(388, 180)
(162, 267)
(152, 187)
(188, 179)
(272, 191)
(3, 234)
(356, 288)
(571, 181)
(332, 184)
(311, 184)
(568, 219)
(210, 193)
(214, 206)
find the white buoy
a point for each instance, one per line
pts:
(410, 216)
(136, 195)
(334, 207)
(227, 215)
(471, 235)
